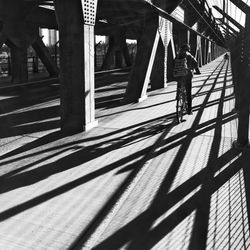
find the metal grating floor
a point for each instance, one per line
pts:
(137, 181)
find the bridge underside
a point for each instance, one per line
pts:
(159, 27)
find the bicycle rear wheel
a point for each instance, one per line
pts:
(180, 106)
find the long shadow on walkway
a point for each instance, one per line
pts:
(195, 194)
(138, 233)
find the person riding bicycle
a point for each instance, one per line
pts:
(186, 79)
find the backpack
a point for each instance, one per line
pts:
(180, 67)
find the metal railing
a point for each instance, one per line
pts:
(35, 65)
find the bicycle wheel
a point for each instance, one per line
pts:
(180, 105)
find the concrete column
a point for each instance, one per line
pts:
(212, 51)
(199, 51)
(235, 62)
(193, 43)
(203, 50)
(157, 75)
(171, 55)
(19, 69)
(161, 68)
(89, 78)
(76, 33)
(208, 51)
(244, 88)
(146, 49)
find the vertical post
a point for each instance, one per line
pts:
(146, 50)
(35, 64)
(157, 75)
(89, 77)
(212, 51)
(162, 70)
(235, 62)
(203, 49)
(244, 88)
(76, 30)
(170, 57)
(9, 66)
(19, 68)
(193, 43)
(89, 13)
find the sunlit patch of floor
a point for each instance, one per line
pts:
(179, 237)
(228, 220)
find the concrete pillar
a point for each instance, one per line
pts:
(244, 88)
(212, 51)
(157, 75)
(146, 49)
(171, 55)
(76, 32)
(199, 51)
(208, 51)
(164, 56)
(89, 78)
(235, 62)
(193, 43)
(19, 69)
(203, 50)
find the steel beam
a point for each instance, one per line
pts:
(228, 26)
(239, 26)
(241, 5)
(43, 53)
(76, 31)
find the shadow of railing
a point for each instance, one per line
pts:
(185, 216)
(190, 215)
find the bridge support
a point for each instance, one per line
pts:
(193, 43)
(19, 69)
(146, 50)
(45, 56)
(182, 35)
(76, 31)
(157, 79)
(244, 88)
(117, 50)
(203, 49)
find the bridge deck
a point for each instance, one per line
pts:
(137, 181)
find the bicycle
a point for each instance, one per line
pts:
(181, 102)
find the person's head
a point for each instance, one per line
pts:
(185, 48)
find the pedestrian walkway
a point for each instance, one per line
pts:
(137, 181)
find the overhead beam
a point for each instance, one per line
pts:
(241, 5)
(174, 20)
(228, 26)
(43, 17)
(239, 26)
